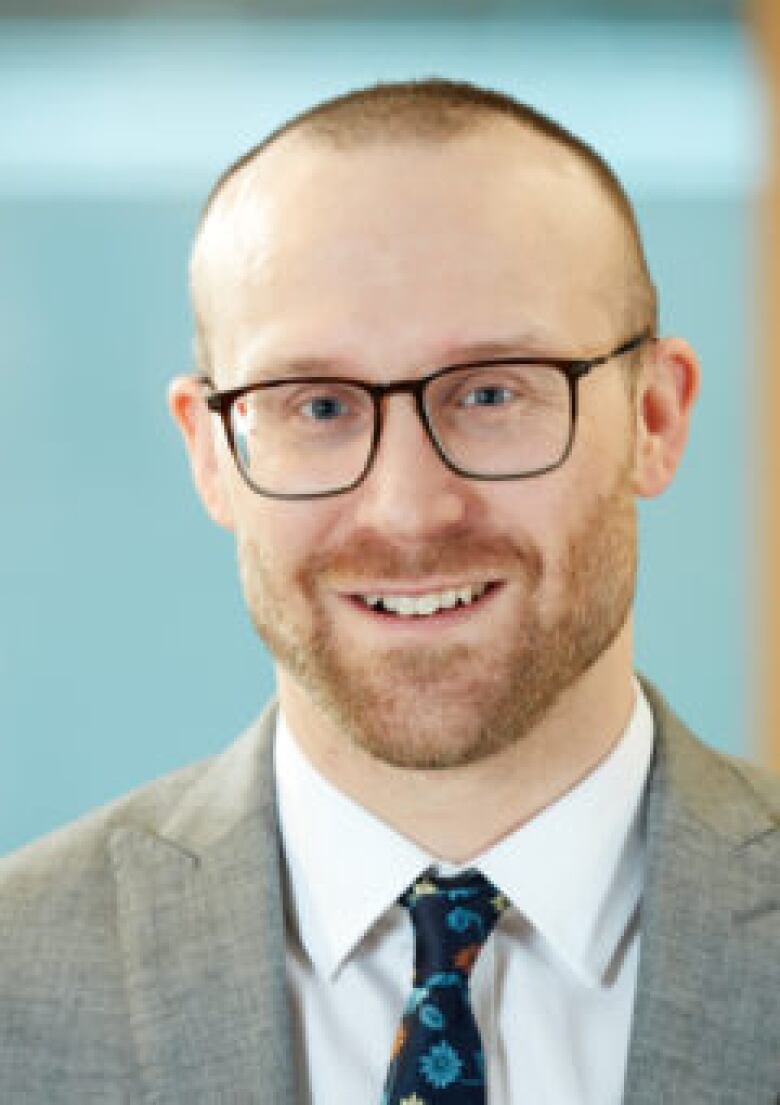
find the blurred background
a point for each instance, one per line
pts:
(125, 650)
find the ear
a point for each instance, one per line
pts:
(188, 408)
(667, 388)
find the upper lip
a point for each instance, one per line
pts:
(414, 589)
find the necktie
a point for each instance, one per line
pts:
(437, 1056)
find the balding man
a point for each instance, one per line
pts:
(466, 856)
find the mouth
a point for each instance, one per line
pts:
(440, 604)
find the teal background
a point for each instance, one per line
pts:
(125, 649)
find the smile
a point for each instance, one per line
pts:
(427, 604)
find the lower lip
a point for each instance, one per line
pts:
(450, 616)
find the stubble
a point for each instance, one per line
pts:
(429, 707)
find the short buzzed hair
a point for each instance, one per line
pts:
(437, 109)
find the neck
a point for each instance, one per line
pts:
(445, 811)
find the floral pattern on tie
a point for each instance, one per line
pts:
(437, 1056)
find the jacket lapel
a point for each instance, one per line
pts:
(202, 932)
(706, 841)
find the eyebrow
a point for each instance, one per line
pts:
(304, 365)
(528, 344)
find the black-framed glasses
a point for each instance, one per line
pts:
(308, 437)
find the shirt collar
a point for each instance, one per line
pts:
(574, 870)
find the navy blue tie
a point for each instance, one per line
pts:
(437, 1057)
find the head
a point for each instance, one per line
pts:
(382, 236)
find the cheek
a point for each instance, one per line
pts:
(539, 511)
(281, 535)
(556, 513)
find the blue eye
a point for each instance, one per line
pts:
(324, 408)
(488, 397)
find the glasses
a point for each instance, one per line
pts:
(508, 418)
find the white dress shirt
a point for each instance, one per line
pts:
(553, 988)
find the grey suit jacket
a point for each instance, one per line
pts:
(142, 947)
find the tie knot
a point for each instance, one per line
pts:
(452, 919)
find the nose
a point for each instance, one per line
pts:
(409, 492)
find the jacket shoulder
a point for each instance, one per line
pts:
(763, 783)
(735, 798)
(69, 852)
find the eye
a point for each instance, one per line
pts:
(324, 408)
(488, 395)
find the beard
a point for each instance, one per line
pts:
(430, 707)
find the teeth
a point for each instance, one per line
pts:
(424, 605)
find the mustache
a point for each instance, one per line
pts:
(367, 557)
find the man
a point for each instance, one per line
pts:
(430, 390)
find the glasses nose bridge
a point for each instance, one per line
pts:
(399, 387)
(415, 388)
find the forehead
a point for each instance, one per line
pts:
(490, 229)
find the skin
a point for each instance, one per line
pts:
(389, 261)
